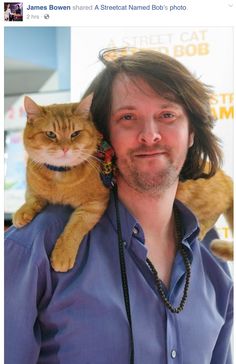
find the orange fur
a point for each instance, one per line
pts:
(80, 187)
(208, 199)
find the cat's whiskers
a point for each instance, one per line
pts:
(84, 157)
(38, 164)
(89, 155)
(90, 158)
(92, 164)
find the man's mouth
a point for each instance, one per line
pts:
(150, 154)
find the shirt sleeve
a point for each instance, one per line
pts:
(28, 282)
(222, 350)
(211, 235)
(22, 332)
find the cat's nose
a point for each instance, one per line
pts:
(65, 149)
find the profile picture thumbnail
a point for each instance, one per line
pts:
(13, 11)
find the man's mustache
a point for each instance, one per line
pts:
(150, 150)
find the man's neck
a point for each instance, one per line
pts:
(152, 211)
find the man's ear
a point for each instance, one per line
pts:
(32, 109)
(84, 105)
(191, 139)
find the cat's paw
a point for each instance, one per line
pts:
(63, 256)
(23, 216)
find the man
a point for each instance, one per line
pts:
(143, 289)
(18, 9)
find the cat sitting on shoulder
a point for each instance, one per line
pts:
(61, 142)
(62, 168)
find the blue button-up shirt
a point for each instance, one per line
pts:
(80, 317)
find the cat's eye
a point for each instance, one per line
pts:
(51, 135)
(75, 134)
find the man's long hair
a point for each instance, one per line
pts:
(171, 80)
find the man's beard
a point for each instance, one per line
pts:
(154, 183)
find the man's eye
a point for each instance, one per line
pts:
(168, 115)
(75, 134)
(50, 134)
(127, 117)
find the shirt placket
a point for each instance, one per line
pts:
(173, 345)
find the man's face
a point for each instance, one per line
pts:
(150, 136)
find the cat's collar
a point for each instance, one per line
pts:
(56, 168)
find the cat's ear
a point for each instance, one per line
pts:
(84, 105)
(32, 109)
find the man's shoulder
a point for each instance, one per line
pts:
(215, 269)
(207, 254)
(41, 233)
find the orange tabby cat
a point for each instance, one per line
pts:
(208, 199)
(61, 141)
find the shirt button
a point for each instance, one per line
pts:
(135, 231)
(173, 354)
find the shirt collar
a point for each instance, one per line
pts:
(127, 221)
(189, 223)
(129, 224)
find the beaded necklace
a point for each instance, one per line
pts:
(158, 282)
(183, 252)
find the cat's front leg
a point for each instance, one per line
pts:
(80, 223)
(26, 213)
(64, 253)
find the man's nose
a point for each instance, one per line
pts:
(149, 133)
